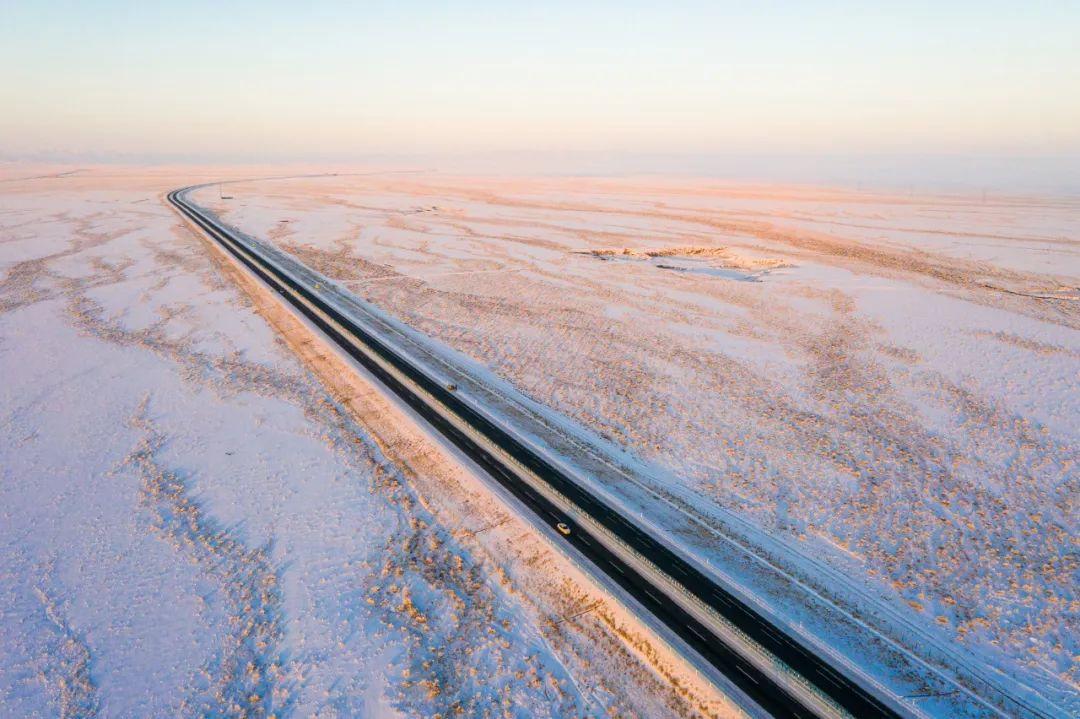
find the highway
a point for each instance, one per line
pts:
(775, 670)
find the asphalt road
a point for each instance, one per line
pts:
(761, 685)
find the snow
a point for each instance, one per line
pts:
(887, 414)
(191, 523)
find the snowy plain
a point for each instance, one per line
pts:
(191, 523)
(881, 387)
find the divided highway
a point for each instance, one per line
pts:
(772, 668)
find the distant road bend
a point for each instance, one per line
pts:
(774, 670)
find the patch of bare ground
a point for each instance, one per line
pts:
(181, 253)
(28, 282)
(1033, 295)
(226, 374)
(282, 231)
(20, 285)
(723, 256)
(341, 263)
(1042, 348)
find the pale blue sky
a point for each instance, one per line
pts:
(289, 80)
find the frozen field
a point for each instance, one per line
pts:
(192, 525)
(888, 385)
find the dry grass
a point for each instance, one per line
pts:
(723, 256)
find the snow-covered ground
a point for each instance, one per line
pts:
(192, 524)
(882, 389)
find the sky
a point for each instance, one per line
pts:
(315, 80)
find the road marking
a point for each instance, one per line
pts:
(829, 676)
(739, 667)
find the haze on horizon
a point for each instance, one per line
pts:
(286, 81)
